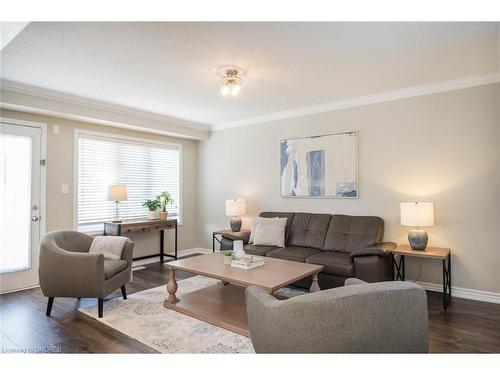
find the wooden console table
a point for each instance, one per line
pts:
(440, 253)
(144, 226)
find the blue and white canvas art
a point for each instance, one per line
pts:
(320, 166)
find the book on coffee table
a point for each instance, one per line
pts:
(248, 262)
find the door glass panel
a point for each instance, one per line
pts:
(15, 203)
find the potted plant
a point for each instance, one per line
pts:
(228, 257)
(153, 205)
(165, 199)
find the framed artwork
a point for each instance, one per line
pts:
(323, 166)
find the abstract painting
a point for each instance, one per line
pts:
(320, 166)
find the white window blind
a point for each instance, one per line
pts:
(145, 168)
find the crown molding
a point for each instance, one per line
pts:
(381, 97)
(21, 88)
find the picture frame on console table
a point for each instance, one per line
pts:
(322, 166)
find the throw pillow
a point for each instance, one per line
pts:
(270, 233)
(109, 246)
(258, 220)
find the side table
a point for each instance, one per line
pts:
(440, 253)
(242, 234)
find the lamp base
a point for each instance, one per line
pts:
(235, 223)
(418, 239)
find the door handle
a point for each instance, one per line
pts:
(35, 218)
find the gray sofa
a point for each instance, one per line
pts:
(386, 317)
(67, 269)
(347, 246)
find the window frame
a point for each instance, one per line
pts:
(121, 138)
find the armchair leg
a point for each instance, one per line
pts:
(49, 306)
(124, 292)
(100, 303)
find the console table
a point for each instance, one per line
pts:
(439, 253)
(144, 226)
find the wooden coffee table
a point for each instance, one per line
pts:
(223, 304)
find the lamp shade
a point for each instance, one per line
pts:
(117, 193)
(235, 207)
(417, 214)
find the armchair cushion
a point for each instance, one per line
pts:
(334, 262)
(113, 266)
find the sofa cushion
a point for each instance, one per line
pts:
(297, 254)
(349, 233)
(270, 232)
(289, 217)
(258, 250)
(112, 267)
(308, 230)
(334, 262)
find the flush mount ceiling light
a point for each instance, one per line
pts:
(231, 80)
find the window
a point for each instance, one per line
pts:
(146, 167)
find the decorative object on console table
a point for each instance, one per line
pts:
(117, 193)
(165, 199)
(152, 205)
(127, 227)
(440, 253)
(417, 215)
(235, 208)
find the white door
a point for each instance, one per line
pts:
(20, 198)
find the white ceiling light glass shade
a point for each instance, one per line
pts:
(231, 82)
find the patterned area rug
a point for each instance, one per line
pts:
(143, 317)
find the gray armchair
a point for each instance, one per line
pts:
(67, 269)
(385, 317)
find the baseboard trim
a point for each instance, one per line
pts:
(473, 294)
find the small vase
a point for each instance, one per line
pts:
(238, 248)
(152, 215)
(228, 260)
(163, 215)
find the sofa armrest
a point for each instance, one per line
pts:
(243, 235)
(381, 249)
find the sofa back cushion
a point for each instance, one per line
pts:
(308, 230)
(289, 217)
(349, 233)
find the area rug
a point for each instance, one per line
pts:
(143, 317)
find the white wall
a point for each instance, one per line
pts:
(441, 148)
(60, 170)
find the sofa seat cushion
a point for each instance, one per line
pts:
(295, 253)
(112, 267)
(334, 262)
(258, 250)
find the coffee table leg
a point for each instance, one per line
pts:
(172, 287)
(314, 286)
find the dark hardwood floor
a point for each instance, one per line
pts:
(466, 327)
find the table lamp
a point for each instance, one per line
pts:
(417, 215)
(117, 193)
(235, 208)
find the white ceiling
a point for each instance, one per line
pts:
(170, 68)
